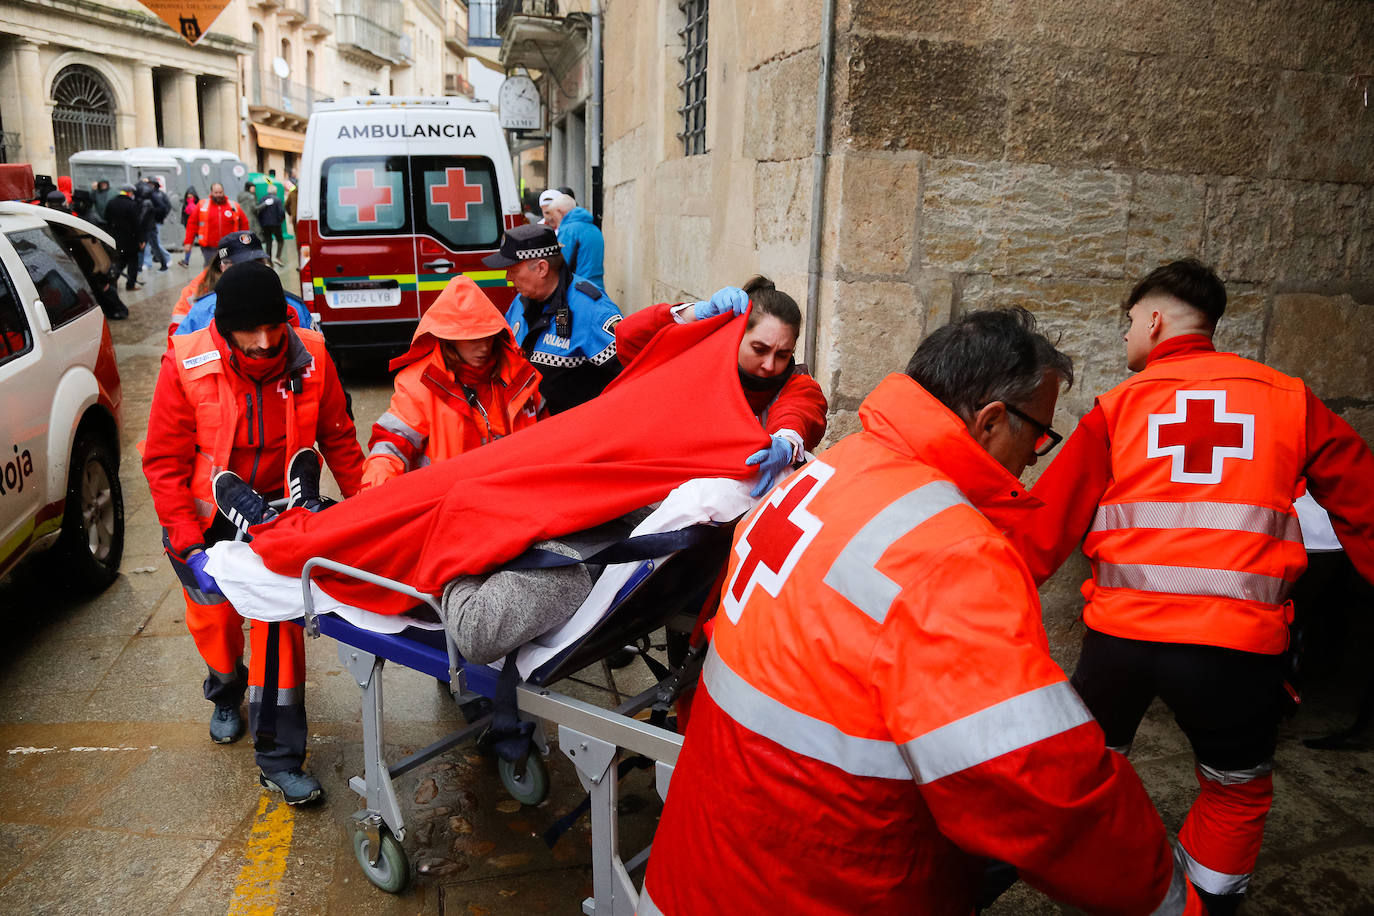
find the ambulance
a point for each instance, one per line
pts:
(397, 196)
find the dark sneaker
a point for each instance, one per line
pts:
(239, 502)
(303, 479)
(296, 785)
(226, 725)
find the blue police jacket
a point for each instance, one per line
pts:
(577, 365)
(203, 310)
(584, 248)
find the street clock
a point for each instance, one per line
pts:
(518, 101)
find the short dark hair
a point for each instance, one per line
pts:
(249, 186)
(1188, 280)
(986, 356)
(767, 299)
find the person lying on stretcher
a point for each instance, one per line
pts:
(627, 448)
(488, 615)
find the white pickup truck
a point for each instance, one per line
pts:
(60, 398)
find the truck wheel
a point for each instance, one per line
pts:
(92, 540)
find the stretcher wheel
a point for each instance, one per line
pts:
(530, 786)
(392, 871)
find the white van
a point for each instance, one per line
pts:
(396, 197)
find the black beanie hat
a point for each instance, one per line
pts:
(247, 296)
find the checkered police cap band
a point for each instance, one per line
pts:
(536, 253)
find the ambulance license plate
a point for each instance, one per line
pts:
(362, 298)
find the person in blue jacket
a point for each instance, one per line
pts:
(564, 323)
(236, 248)
(584, 247)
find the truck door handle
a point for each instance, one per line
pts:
(442, 265)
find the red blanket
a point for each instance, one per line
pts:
(676, 413)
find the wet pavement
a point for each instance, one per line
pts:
(116, 801)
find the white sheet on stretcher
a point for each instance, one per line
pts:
(258, 593)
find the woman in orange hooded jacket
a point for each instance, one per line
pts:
(462, 383)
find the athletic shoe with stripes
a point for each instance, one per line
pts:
(239, 502)
(303, 479)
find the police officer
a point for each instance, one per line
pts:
(1183, 478)
(564, 324)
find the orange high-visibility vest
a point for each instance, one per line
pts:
(879, 708)
(1195, 539)
(204, 377)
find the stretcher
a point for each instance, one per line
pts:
(661, 591)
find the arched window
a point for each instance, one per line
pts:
(84, 114)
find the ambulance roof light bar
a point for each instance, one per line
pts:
(401, 101)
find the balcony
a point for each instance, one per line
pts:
(531, 32)
(369, 31)
(457, 84)
(293, 10)
(281, 103)
(456, 30)
(319, 19)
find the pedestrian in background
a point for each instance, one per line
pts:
(123, 215)
(189, 202)
(271, 214)
(161, 207)
(248, 203)
(584, 248)
(213, 219)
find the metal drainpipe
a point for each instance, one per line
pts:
(594, 103)
(813, 279)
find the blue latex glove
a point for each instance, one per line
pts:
(772, 461)
(204, 581)
(727, 299)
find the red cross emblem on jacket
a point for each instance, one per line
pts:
(366, 195)
(456, 193)
(1200, 435)
(775, 539)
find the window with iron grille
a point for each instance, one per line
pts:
(693, 85)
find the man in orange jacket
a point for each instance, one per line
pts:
(244, 394)
(880, 714)
(462, 383)
(1183, 479)
(216, 217)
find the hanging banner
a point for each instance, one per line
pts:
(188, 18)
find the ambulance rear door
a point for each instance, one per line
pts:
(364, 262)
(461, 188)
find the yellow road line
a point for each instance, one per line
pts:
(269, 843)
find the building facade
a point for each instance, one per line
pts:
(113, 76)
(979, 153)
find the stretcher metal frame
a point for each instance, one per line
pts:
(593, 738)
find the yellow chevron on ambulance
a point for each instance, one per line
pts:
(397, 196)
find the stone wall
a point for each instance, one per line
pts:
(987, 153)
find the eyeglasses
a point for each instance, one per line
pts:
(1047, 439)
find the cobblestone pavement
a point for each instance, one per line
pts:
(116, 801)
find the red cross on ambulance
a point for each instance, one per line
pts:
(456, 193)
(1200, 435)
(775, 539)
(366, 195)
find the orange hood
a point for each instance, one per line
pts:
(462, 312)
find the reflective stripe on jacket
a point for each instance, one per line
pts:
(1195, 539)
(880, 712)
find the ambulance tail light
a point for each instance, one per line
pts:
(307, 281)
